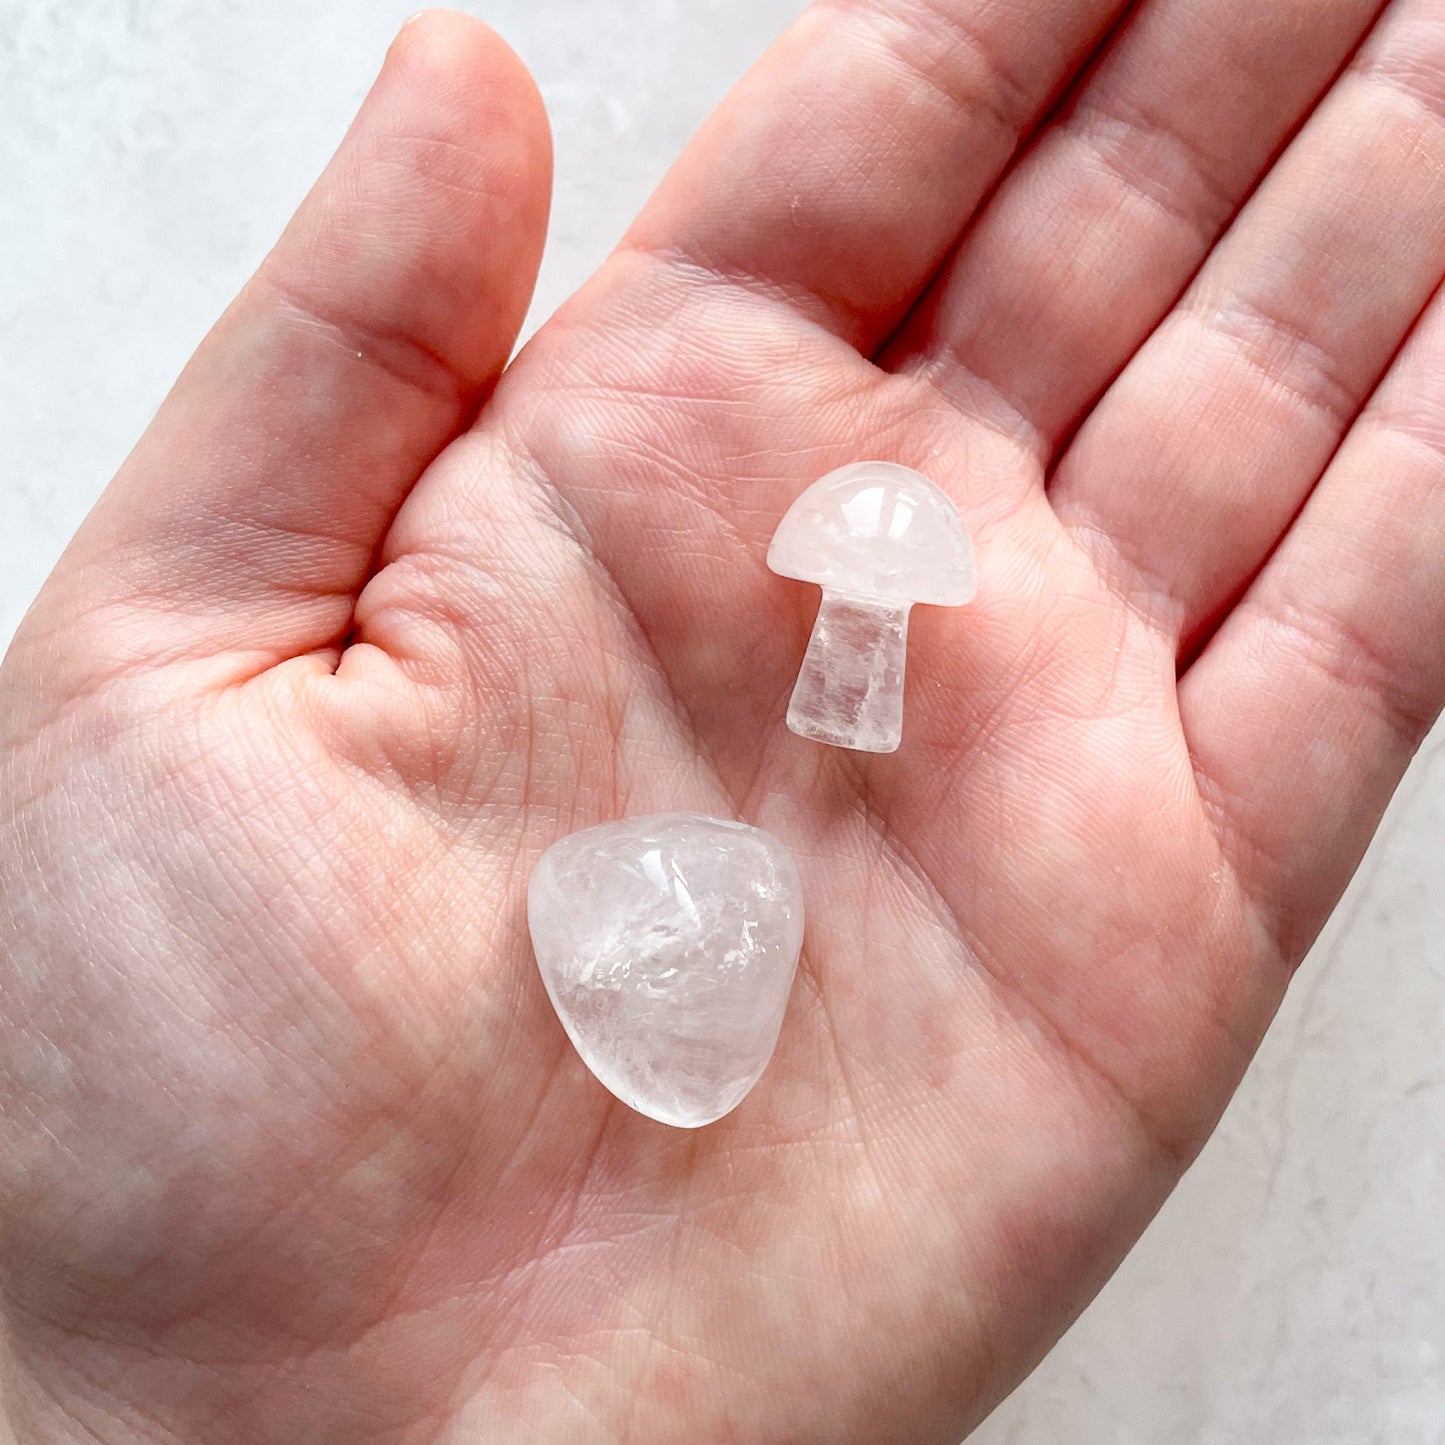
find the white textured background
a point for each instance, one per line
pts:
(1293, 1292)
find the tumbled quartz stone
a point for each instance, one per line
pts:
(668, 946)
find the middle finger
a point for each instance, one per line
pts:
(1097, 231)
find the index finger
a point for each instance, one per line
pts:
(840, 171)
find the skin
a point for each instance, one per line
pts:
(291, 1145)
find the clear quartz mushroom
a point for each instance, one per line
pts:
(878, 538)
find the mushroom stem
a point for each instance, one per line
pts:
(849, 691)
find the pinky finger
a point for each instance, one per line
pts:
(1306, 707)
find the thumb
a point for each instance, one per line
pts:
(247, 517)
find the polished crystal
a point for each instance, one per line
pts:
(668, 946)
(878, 538)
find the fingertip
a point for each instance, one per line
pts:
(453, 86)
(432, 219)
(461, 59)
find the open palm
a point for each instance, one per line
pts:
(293, 1148)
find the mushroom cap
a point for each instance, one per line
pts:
(879, 530)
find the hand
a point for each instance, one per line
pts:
(293, 1148)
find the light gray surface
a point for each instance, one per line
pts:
(1294, 1289)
